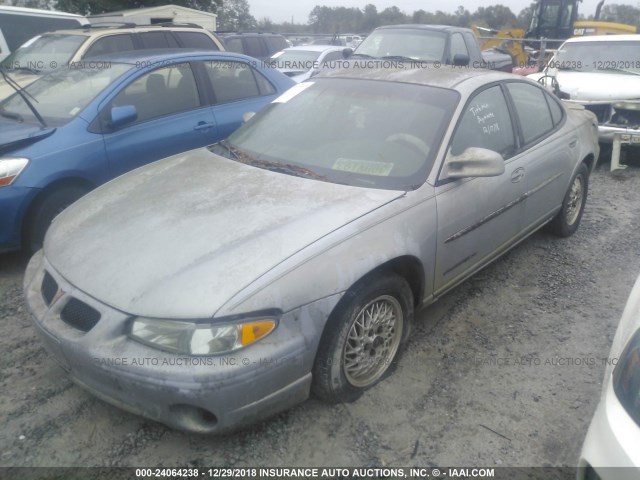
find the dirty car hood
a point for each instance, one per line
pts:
(599, 86)
(178, 238)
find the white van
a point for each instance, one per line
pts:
(17, 25)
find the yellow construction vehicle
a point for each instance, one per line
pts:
(553, 21)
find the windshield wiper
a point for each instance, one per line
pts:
(363, 55)
(11, 115)
(400, 57)
(21, 69)
(287, 168)
(227, 146)
(20, 91)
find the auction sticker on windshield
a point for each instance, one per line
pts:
(365, 167)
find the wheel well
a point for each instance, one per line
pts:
(589, 162)
(58, 184)
(410, 269)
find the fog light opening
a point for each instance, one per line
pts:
(195, 419)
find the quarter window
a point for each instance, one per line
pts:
(486, 123)
(153, 40)
(532, 109)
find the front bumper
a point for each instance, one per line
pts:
(611, 445)
(200, 394)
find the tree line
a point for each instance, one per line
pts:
(236, 15)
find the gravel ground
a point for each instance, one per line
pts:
(503, 371)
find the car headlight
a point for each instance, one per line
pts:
(10, 168)
(200, 338)
(626, 378)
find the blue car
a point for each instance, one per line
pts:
(85, 124)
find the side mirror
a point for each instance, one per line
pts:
(347, 52)
(246, 116)
(474, 162)
(461, 60)
(122, 115)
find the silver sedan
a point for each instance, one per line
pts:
(222, 285)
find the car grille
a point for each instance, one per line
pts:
(602, 111)
(49, 288)
(79, 315)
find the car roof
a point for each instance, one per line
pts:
(421, 26)
(314, 48)
(605, 38)
(151, 56)
(445, 76)
(88, 30)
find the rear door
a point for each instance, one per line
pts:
(550, 156)
(172, 118)
(238, 88)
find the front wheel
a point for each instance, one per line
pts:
(567, 220)
(363, 338)
(45, 210)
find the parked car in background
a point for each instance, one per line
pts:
(603, 74)
(76, 128)
(256, 45)
(614, 434)
(292, 255)
(430, 43)
(17, 25)
(49, 51)
(301, 63)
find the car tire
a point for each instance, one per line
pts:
(45, 210)
(361, 344)
(567, 220)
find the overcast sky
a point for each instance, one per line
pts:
(282, 10)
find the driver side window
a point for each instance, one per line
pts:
(485, 123)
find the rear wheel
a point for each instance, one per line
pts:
(567, 220)
(45, 210)
(363, 338)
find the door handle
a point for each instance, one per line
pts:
(573, 142)
(517, 175)
(203, 126)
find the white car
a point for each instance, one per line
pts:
(613, 439)
(301, 63)
(603, 74)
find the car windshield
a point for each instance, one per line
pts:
(295, 60)
(611, 56)
(421, 45)
(357, 132)
(62, 94)
(44, 53)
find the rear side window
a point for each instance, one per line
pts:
(234, 45)
(277, 43)
(556, 110)
(153, 40)
(233, 81)
(196, 40)
(110, 44)
(532, 109)
(255, 47)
